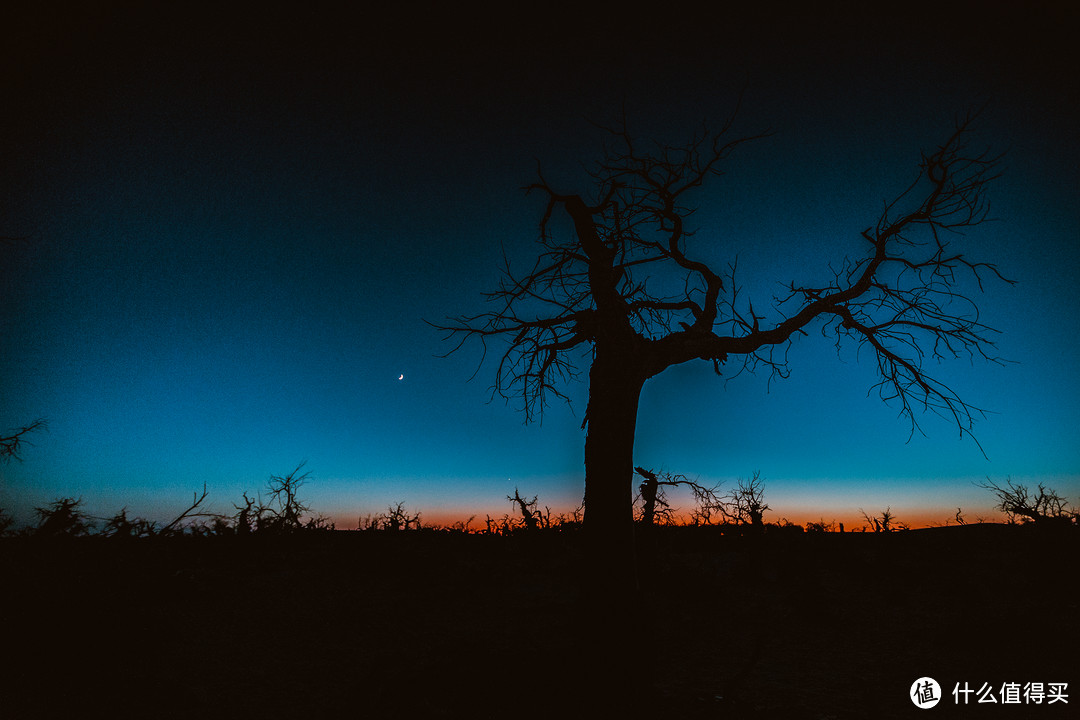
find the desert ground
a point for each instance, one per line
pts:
(442, 624)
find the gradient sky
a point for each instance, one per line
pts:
(236, 226)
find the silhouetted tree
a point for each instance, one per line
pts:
(745, 505)
(595, 296)
(11, 443)
(531, 517)
(247, 516)
(283, 511)
(398, 518)
(1019, 502)
(654, 504)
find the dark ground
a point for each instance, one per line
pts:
(426, 624)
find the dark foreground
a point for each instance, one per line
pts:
(424, 625)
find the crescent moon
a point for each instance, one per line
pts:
(400, 377)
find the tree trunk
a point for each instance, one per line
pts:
(614, 391)
(610, 582)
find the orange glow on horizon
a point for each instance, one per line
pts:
(853, 521)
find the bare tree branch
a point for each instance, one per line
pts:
(196, 500)
(902, 296)
(11, 444)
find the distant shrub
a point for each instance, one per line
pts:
(461, 526)
(785, 526)
(885, 522)
(318, 522)
(498, 526)
(821, 526)
(120, 526)
(63, 517)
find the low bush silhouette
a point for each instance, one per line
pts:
(120, 526)
(63, 518)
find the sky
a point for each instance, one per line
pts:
(235, 227)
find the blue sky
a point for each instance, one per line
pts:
(235, 230)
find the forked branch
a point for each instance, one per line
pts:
(197, 500)
(630, 277)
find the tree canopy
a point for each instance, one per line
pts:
(626, 276)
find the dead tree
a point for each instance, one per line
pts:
(247, 517)
(398, 518)
(655, 508)
(627, 291)
(1021, 504)
(284, 510)
(745, 505)
(531, 517)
